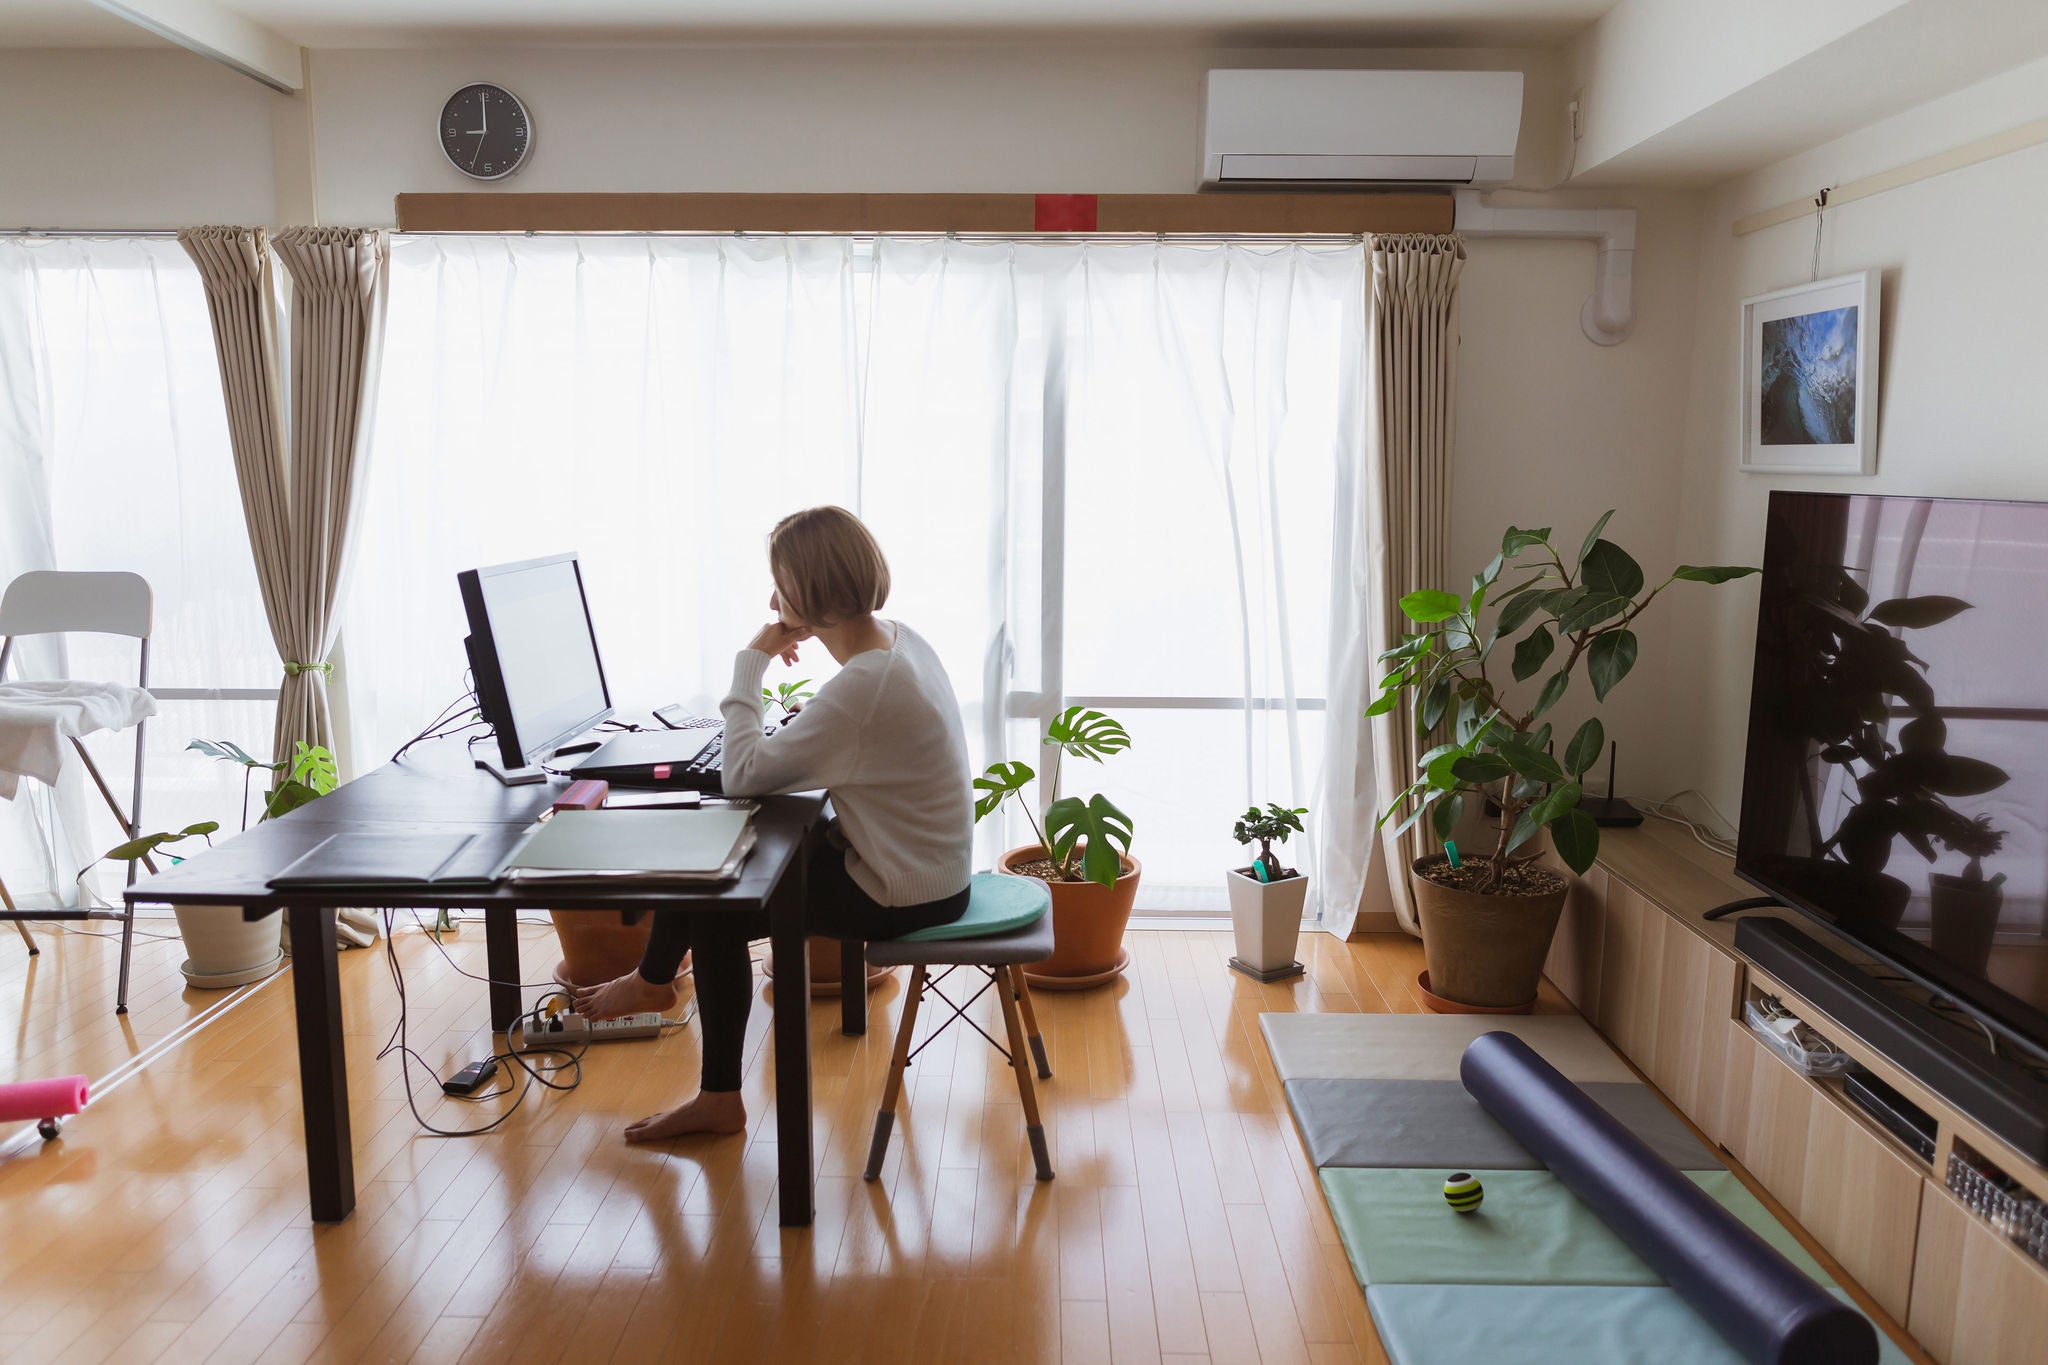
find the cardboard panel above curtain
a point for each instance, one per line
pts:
(296, 429)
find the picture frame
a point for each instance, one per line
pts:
(1809, 377)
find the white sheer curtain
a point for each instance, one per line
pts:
(652, 403)
(114, 455)
(1103, 472)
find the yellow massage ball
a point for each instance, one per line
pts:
(1462, 1192)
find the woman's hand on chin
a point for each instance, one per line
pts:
(780, 640)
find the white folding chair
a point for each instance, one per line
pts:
(46, 602)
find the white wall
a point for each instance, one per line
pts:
(1963, 363)
(872, 117)
(131, 138)
(1553, 430)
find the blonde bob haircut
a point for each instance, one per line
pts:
(827, 566)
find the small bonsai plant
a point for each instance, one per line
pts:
(1498, 750)
(1265, 828)
(787, 697)
(1069, 820)
(310, 774)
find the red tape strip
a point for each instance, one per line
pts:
(1063, 213)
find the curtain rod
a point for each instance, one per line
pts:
(88, 232)
(1283, 239)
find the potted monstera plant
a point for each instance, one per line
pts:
(1487, 919)
(1083, 852)
(222, 949)
(1266, 899)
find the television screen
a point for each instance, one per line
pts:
(1896, 781)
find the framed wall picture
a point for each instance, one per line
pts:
(1809, 378)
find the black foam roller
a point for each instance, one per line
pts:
(1764, 1306)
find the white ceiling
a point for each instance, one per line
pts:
(411, 23)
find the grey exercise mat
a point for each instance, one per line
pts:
(1438, 1123)
(1426, 1047)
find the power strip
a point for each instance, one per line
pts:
(573, 1030)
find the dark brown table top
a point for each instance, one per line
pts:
(435, 789)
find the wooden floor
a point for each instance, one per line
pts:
(171, 1221)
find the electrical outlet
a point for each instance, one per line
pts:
(573, 1030)
(1572, 110)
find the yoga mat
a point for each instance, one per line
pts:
(1458, 1324)
(1531, 1229)
(1426, 1047)
(1767, 1310)
(42, 1099)
(1438, 1123)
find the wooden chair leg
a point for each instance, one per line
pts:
(1033, 1129)
(20, 926)
(1022, 990)
(885, 1117)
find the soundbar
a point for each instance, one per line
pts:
(2002, 1096)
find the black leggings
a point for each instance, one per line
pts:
(837, 908)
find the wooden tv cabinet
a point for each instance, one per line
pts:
(1668, 989)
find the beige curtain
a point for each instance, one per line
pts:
(1414, 363)
(297, 444)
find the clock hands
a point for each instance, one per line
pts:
(483, 105)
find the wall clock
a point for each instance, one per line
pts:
(485, 131)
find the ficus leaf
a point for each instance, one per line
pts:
(1713, 573)
(1593, 536)
(1607, 568)
(1577, 840)
(1608, 660)
(1428, 605)
(1584, 750)
(1553, 691)
(1516, 610)
(1532, 652)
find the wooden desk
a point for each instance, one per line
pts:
(435, 789)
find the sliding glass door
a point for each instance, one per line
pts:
(1105, 474)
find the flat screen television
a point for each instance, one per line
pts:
(1896, 781)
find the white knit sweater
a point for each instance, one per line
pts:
(884, 738)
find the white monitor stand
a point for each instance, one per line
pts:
(512, 777)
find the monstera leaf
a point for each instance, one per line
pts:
(150, 843)
(1087, 733)
(1001, 782)
(1107, 830)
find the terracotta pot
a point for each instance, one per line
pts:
(1484, 950)
(1087, 926)
(824, 956)
(598, 946)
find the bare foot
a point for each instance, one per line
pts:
(628, 994)
(711, 1111)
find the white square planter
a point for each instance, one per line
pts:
(1266, 919)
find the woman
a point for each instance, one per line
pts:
(883, 737)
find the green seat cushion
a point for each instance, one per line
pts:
(996, 904)
(1457, 1324)
(1531, 1229)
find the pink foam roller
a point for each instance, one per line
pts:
(42, 1099)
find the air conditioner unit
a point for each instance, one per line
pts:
(1360, 128)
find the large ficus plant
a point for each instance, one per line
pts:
(1081, 733)
(1497, 747)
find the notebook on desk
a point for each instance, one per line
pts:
(366, 858)
(707, 845)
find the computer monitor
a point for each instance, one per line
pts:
(539, 682)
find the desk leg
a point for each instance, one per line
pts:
(790, 946)
(323, 1068)
(853, 987)
(501, 959)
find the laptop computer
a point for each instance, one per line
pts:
(680, 758)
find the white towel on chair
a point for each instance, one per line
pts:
(36, 718)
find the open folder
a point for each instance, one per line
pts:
(635, 846)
